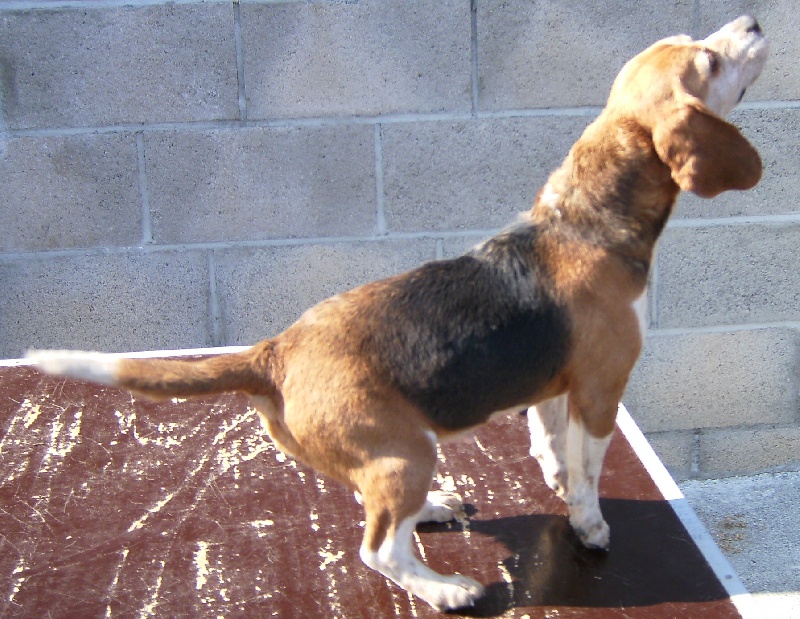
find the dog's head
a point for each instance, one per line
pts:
(679, 89)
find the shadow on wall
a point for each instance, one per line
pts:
(5, 74)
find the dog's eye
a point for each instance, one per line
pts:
(714, 64)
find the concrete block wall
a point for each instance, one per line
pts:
(179, 175)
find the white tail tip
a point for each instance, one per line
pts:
(93, 366)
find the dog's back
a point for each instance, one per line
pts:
(467, 337)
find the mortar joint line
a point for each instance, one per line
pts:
(473, 13)
(696, 20)
(48, 5)
(382, 227)
(723, 328)
(240, 76)
(586, 111)
(652, 301)
(144, 194)
(215, 320)
(694, 466)
(37, 255)
(3, 134)
(779, 219)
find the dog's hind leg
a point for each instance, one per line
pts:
(441, 506)
(394, 493)
(547, 422)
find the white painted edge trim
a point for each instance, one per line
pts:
(148, 354)
(720, 565)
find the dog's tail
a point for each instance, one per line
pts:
(248, 371)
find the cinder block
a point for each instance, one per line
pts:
(726, 275)
(117, 302)
(72, 191)
(470, 175)
(356, 58)
(128, 65)
(263, 291)
(675, 450)
(749, 450)
(779, 20)
(716, 380)
(455, 246)
(261, 183)
(554, 53)
(779, 190)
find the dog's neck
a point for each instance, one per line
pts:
(612, 191)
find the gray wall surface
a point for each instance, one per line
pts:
(190, 174)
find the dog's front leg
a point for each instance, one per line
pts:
(585, 454)
(547, 422)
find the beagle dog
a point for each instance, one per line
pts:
(544, 315)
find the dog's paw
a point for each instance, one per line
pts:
(456, 592)
(596, 536)
(441, 507)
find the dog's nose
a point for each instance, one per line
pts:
(754, 27)
(748, 24)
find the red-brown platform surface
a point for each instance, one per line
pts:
(113, 506)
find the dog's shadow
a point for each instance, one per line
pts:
(652, 561)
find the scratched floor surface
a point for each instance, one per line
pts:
(112, 506)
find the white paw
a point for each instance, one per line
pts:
(456, 592)
(441, 507)
(594, 535)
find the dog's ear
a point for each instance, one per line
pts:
(707, 155)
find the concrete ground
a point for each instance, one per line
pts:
(756, 523)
